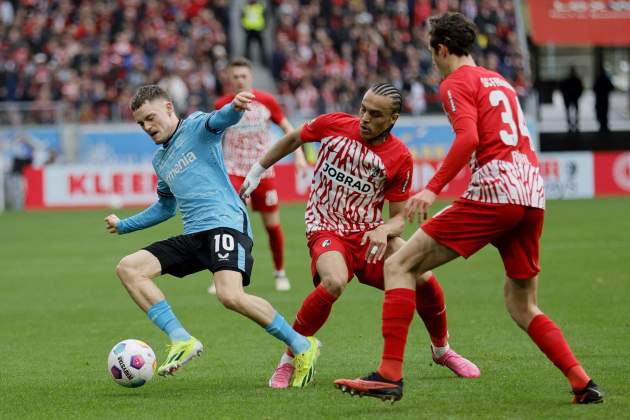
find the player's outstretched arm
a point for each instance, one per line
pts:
(286, 145)
(231, 113)
(300, 160)
(161, 210)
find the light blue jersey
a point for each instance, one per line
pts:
(192, 176)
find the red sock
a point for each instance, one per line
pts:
(314, 312)
(398, 309)
(430, 307)
(276, 243)
(548, 337)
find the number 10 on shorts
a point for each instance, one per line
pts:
(223, 242)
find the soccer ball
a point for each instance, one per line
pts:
(131, 363)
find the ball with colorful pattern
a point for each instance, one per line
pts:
(131, 363)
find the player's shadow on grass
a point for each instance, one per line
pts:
(133, 394)
(374, 407)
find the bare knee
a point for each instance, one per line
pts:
(230, 299)
(520, 301)
(334, 283)
(522, 314)
(138, 267)
(422, 278)
(126, 270)
(393, 267)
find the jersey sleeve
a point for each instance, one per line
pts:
(272, 105)
(458, 100)
(318, 128)
(163, 190)
(163, 209)
(218, 121)
(465, 143)
(399, 188)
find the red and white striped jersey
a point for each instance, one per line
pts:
(246, 142)
(353, 178)
(504, 164)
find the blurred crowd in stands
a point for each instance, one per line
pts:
(327, 52)
(93, 54)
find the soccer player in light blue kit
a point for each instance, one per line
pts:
(217, 233)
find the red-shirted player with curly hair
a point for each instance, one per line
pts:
(360, 165)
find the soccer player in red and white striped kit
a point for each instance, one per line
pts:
(359, 166)
(503, 206)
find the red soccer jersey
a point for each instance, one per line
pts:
(246, 142)
(353, 178)
(490, 131)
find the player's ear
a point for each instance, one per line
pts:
(442, 50)
(169, 108)
(393, 118)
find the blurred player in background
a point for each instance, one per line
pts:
(359, 166)
(243, 144)
(503, 206)
(217, 233)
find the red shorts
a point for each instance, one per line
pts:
(354, 254)
(467, 226)
(265, 196)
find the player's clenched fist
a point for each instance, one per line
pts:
(110, 223)
(242, 100)
(419, 205)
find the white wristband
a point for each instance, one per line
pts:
(257, 170)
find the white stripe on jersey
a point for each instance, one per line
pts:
(502, 182)
(348, 188)
(247, 141)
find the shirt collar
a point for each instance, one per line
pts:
(168, 141)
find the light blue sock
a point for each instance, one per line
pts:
(162, 315)
(280, 329)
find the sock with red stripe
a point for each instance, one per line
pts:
(276, 243)
(430, 306)
(314, 312)
(398, 309)
(549, 339)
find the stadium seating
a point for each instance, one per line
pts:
(341, 47)
(93, 54)
(325, 52)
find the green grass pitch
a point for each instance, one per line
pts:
(63, 309)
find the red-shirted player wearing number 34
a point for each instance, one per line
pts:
(503, 206)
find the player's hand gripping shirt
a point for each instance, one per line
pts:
(492, 135)
(353, 178)
(246, 142)
(191, 175)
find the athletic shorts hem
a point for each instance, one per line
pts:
(514, 230)
(215, 249)
(451, 246)
(353, 254)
